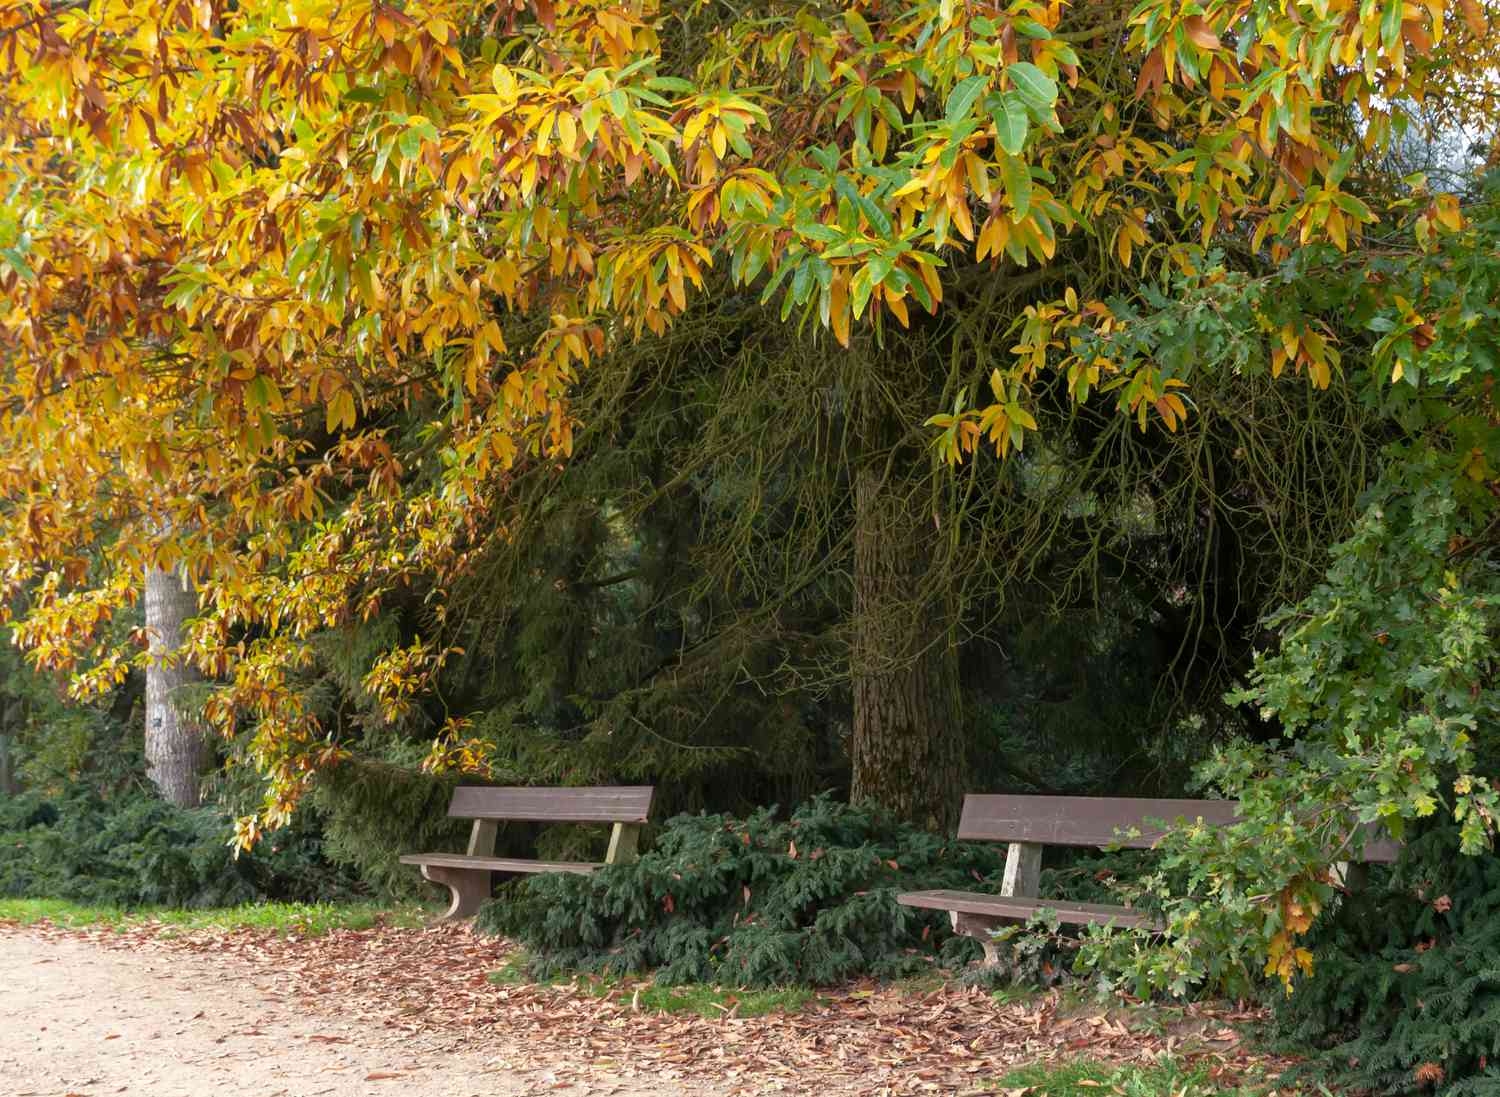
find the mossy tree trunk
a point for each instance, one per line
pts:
(908, 746)
(176, 745)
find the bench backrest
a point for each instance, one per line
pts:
(1097, 821)
(616, 804)
(1081, 820)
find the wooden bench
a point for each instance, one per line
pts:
(468, 875)
(1029, 823)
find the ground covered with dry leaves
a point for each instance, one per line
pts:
(427, 989)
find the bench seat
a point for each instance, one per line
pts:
(468, 876)
(1028, 823)
(498, 864)
(1017, 908)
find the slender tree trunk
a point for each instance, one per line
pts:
(908, 732)
(176, 747)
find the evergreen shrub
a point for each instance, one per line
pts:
(136, 850)
(371, 812)
(1404, 996)
(754, 902)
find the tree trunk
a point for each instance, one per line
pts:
(908, 733)
(176, 747)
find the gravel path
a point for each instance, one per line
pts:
(78, 1019)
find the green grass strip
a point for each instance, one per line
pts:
(302, 919)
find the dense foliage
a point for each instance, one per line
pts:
(367, 814)
(1381, 681)
(759, 901)
(293, 290)
(138, 850)
(1406, 991)
(87, 826)
(445, 347)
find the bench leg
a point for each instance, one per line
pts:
(470, 889)
(979, 927)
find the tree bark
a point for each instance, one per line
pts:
(7, 777)
(907, 749)
(176, 746)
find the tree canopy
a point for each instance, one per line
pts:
(295, 292)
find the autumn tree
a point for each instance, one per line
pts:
(241, 242)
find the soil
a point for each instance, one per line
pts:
(77, 1018)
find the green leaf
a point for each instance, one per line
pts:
(17, 262)
(815, 230)
(1035, 86)
(963, 97)
(672, 83)
(1016, 177)
(860, 288)
(859, 28)
(1011, 122)
(1390, 23)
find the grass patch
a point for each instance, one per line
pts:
(1090, 1078)
(711, 1001)
(301, 919)
(701, 998)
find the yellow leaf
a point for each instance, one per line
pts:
(567, 132)
(897, 304)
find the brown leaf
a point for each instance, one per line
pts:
(1474, 17)
(383, 1075)
(1200, 33)
(1153, 73)
(1429, 1073)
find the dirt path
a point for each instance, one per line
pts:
(150, 1011)
(76, 1018)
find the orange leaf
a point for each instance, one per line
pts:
(1200, 33)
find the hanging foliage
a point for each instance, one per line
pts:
(301, 282)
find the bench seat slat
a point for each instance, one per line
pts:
(1021, 908)
(623, 804)
(496, 864)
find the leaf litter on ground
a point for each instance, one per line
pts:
(864, 1039)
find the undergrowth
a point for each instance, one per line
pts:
(1404, 994)
(755, 902)
(136, 850)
